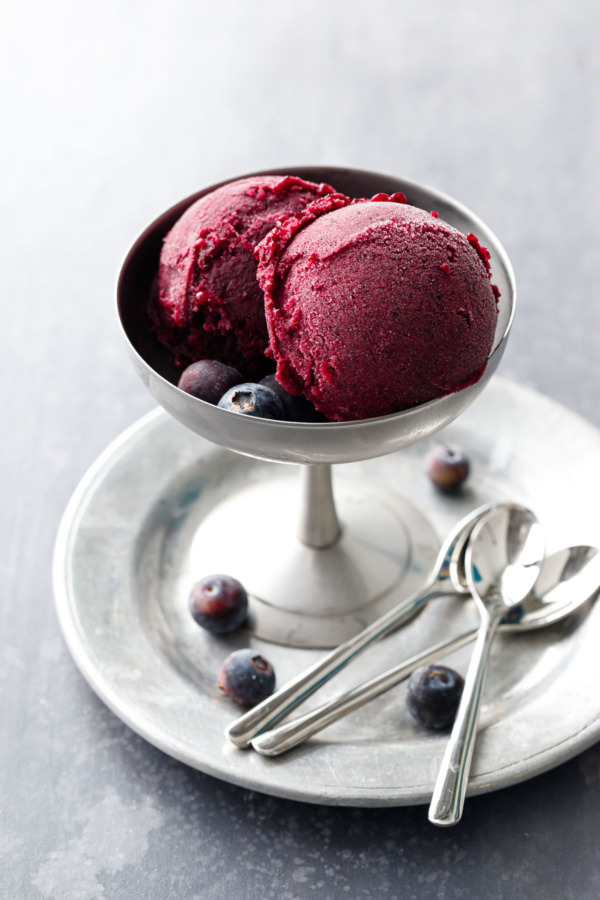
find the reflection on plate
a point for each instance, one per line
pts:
(123, 569)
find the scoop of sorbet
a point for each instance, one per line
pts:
(209, 304)
(375, 306)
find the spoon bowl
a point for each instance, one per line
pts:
(568, 579)
(502, 559)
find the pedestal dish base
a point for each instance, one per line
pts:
(307, 597)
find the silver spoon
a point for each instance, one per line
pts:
(447, 579)
(502, 564)
(565, 583)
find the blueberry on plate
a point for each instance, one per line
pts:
(433, 695)
(296, 409)
(247, 677)
(219, 603)
(448, 467)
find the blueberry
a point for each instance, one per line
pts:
(219, 603)
(253, 400)
(448, 467)
(433, 695)
(514, 615)
(297, 409)
(247, 677)
(208, 380)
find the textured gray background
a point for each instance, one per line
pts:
(113, 111)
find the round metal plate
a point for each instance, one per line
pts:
(121, 589)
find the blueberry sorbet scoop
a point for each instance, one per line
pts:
(375, 306)
(209, 304)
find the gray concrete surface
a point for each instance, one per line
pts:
(111, 112)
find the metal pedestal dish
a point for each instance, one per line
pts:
(317, 570)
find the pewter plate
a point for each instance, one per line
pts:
(123, 570)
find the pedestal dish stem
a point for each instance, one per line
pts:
(319, 526)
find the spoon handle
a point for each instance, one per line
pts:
(451, 786)
(290, 734)
(279, 704)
